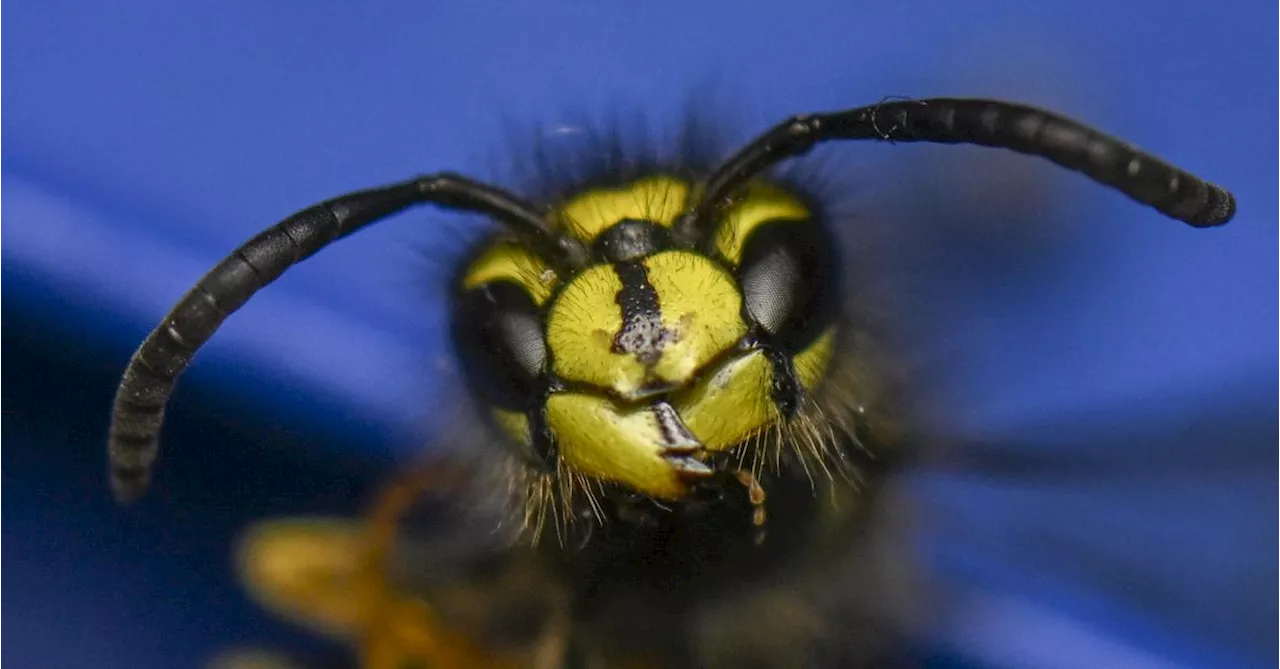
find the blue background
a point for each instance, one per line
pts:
(1128, 358)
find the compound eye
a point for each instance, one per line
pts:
(498, 332)
(788, 279)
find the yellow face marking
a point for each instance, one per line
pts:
(510, 260)
(700, 306)
(763, 202)
(309, 571)
(811, 363)
(516, 425)
(730, 403)
(659, 199)
(599, 438)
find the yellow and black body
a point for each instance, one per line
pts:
(685, 457)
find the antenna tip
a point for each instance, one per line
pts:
(128, 485)
(1219, 208)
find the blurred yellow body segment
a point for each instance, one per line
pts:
(410, 635)
(511, 261)
(763, 203)
(316, 572)
(309, 571)
(599, 438)
(700, 306)
(659, 199)
(731, 403)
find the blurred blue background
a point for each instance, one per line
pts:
(1106, 372)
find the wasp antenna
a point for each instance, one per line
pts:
(1073, 145)
(138, 413)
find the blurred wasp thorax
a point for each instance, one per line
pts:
(684, 413)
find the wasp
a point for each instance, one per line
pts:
(681, 419)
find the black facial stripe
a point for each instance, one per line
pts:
(642, 333)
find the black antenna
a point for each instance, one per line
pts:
(153, 370)
(1075, 146)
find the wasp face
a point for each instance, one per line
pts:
(657, 354)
